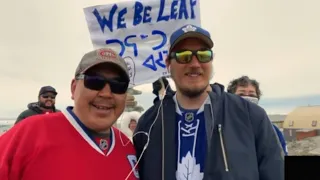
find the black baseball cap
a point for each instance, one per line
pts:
(46, 89)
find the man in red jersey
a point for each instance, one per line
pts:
(79, 142)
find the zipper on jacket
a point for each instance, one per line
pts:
(223, 149)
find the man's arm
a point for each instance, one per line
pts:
(269, 153)
(13, 153)
(5, 156)
(140, 138)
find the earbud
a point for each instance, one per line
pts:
(169, 70)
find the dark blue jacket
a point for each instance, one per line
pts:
(281, 139)
(241, 141)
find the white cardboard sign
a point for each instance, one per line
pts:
(140, 32)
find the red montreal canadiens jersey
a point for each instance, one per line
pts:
(55, 147)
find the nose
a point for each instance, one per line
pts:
(194, 62)
(106, 91)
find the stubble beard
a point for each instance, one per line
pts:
(43, 105)
(192, 93)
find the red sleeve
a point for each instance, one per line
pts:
(15, 150)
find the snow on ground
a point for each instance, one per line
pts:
(307, 146)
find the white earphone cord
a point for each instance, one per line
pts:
(145, 133)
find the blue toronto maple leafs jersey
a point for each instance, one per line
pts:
(191, 144)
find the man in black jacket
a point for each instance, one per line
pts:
(46, 104)
(202, 132)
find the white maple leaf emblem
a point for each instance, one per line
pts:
(189, 28)
(188, 169)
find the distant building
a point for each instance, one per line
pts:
(277, 119)
(302, 122)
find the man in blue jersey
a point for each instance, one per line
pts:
(200, 131)
(249, 89)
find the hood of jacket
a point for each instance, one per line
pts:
(217, 88)
(125, 121)
(34, 106)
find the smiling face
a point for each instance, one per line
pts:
(132, 125)
(98, 110)
(248, 90)
(191, 79)
(47, 100)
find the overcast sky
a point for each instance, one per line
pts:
(275, 41)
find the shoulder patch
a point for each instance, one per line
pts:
(133, 161)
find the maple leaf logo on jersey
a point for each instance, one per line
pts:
(188, 169)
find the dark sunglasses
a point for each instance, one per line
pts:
(97, 83)
(48, 96)
(185, 56)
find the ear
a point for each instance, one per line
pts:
(168, 64)
(73, 88)
(212, 71)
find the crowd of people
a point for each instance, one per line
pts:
(200, 131)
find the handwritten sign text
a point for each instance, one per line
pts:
(140, 32)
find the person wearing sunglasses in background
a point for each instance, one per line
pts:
(79, 142)
(45, 105)
(202, 132)
(249, 89)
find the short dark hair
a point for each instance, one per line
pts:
(244, 81)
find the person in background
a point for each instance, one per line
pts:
(132, 125)
(45, 105)
(202, 132)
(249, 89)
(129, 122)
(161, 84)
(79, 142)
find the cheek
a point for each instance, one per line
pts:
(237, 92)
(177, 72)
(120, 102)
(208, 69)
(253, 94)
(82, 97)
